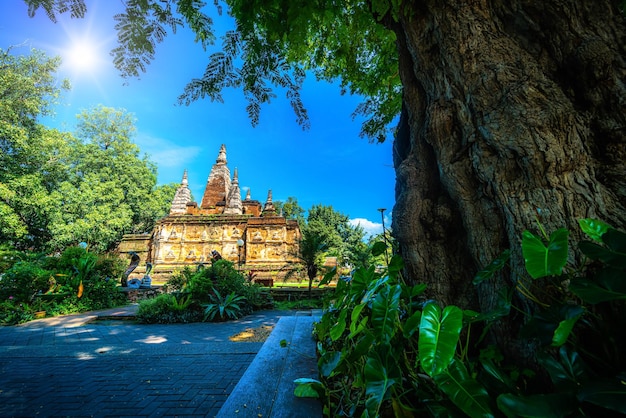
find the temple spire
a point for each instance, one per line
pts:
(233, 202)
(181, 198)
(221, 157)
(269, 209)
(217, 190)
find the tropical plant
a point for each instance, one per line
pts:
(227, 308)
(310, 255)
(168, 308)
(383, 349)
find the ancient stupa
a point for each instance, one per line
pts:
(246, 232)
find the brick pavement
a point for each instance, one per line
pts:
(122, 369)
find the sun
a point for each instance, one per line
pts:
(82, 56)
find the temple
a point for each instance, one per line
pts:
(250, 234)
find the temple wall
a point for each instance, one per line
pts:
(269, 244)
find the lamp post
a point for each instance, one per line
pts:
(239, 247)
(382, 216)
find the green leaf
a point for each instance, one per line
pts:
(607, 393)
(354, 316)
(596, 252)
(340, 326)
(438, 336)
(593, 228)
(328, 363)
(411, 325)
(396, 264)
(567, 372)
(379, 248)
(308, 388)
(542, 260)
(615, 240)
(328, 277)
(537, 406)
(378, 381)
(385, 312)
(592, 293)
(497, 264)
(464, 391)
(562, 332)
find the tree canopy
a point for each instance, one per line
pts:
(58, 189)
(274, 45)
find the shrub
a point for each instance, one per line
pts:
(223, 278)
(227, 308)
(23, 281)
(178, 281)
(168, 308)
(12, 313)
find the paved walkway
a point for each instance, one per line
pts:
(75, 366)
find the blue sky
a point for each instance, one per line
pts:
(327, 164)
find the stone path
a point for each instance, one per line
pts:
(72, 367)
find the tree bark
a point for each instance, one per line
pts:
(513, 111)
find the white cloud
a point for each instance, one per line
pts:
(167, 154)
(370, 228)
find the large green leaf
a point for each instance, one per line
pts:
(563, 330)
(594, 228)
(607, 393)
(379, 377)
(464, 391)
(327, 364)
(396, 264)
(567, 372)
(592, 293)
(497, 264)
(438, 337)
(385, 312)
(378, 248)
(308, 388)
(614, 255)
(542, 260)
(411, 324)
(340, 326)
(537, 406)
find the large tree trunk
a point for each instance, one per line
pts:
(513, 110)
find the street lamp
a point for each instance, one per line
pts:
(239, 247)
(382, 215)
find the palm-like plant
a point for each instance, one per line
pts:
(227, 307)
(310, 254)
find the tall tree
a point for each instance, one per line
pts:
(342, 239)
(112, 189)
(33, 159)
(510, 110)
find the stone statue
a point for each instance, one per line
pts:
(134, 262)
(215, 256)
(146, 282)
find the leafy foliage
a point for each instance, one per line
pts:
(57, 190)
(168, 308)
(227, 307)
(383, 351)
(273, 46)
(75, 281)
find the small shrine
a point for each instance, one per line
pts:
(250, 234)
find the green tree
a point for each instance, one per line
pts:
(112, 189)
(33, 159)
(343, 239)
(311, 254)
(290, 209)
